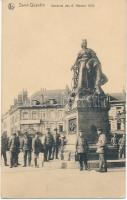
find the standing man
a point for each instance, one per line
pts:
(115, 140)
(37, 147)
(56, 145)
(63, 142)
(18, 149)
(81, 150)
(27, 149)
(14, 147)
(101, 150)
(4, 147)
(48, 145)
(122, 150)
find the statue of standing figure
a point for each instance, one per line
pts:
(88, 77)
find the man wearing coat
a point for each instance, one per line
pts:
(101, 150)
(49, 141)
(122, 145)
(27, 149)
(81, 150)
(4, 147)
(18, 149)
(14, 146)
(56, 146)
(37, 147)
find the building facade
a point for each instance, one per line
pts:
(32, 116)
(46, 109)
(117, 113)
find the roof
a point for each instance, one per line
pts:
(117, 96)
(59, 95)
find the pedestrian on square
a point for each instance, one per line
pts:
(37, 147)
(101, 150)
(49, 141)
(122, 145)
(18, 149)
(42, 149)
(56, 145)
(26, 147)
(82, 150)
(115, 140)
(4, 147)
(14, 148)
(62, 146)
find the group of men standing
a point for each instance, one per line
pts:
(82, 148)
(82, 151)
(50, 145)
(53, 144)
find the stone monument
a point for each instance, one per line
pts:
(88, 105)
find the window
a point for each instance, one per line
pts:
(25, 115)
(34, 115)
(12, 120)
(60, 114)
(16, 118)
(52, 115)
(60, 128)
(118, 108)
(118, 126)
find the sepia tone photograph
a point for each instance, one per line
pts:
(63, 111)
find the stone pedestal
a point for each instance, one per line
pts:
(87, 118)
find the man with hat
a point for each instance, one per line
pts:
(101, 150)
(37, 147)
(49, 141)
(81, 150)
(56, 144)
(122, 145)
(18, 148)
(4, 147)
(14, 148)
(63, 142)
(27, 149)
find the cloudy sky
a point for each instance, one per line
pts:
(41, 44)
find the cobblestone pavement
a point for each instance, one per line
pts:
(45, 182)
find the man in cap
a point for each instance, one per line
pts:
(18, 148)
(48, 145)
(4, 147)
(63, 142)
(122, 145)
(56, 145)
(115, 140)
(37, 147)
(101, 150)
(27, 149)
(14, 148)
(82, 149)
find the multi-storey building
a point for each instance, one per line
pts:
(29, 114)
(46, 109)
(117, 114)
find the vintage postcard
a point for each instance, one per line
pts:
(63, 131)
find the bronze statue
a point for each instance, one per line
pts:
(88, 77)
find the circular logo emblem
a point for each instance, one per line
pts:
(11, 6)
